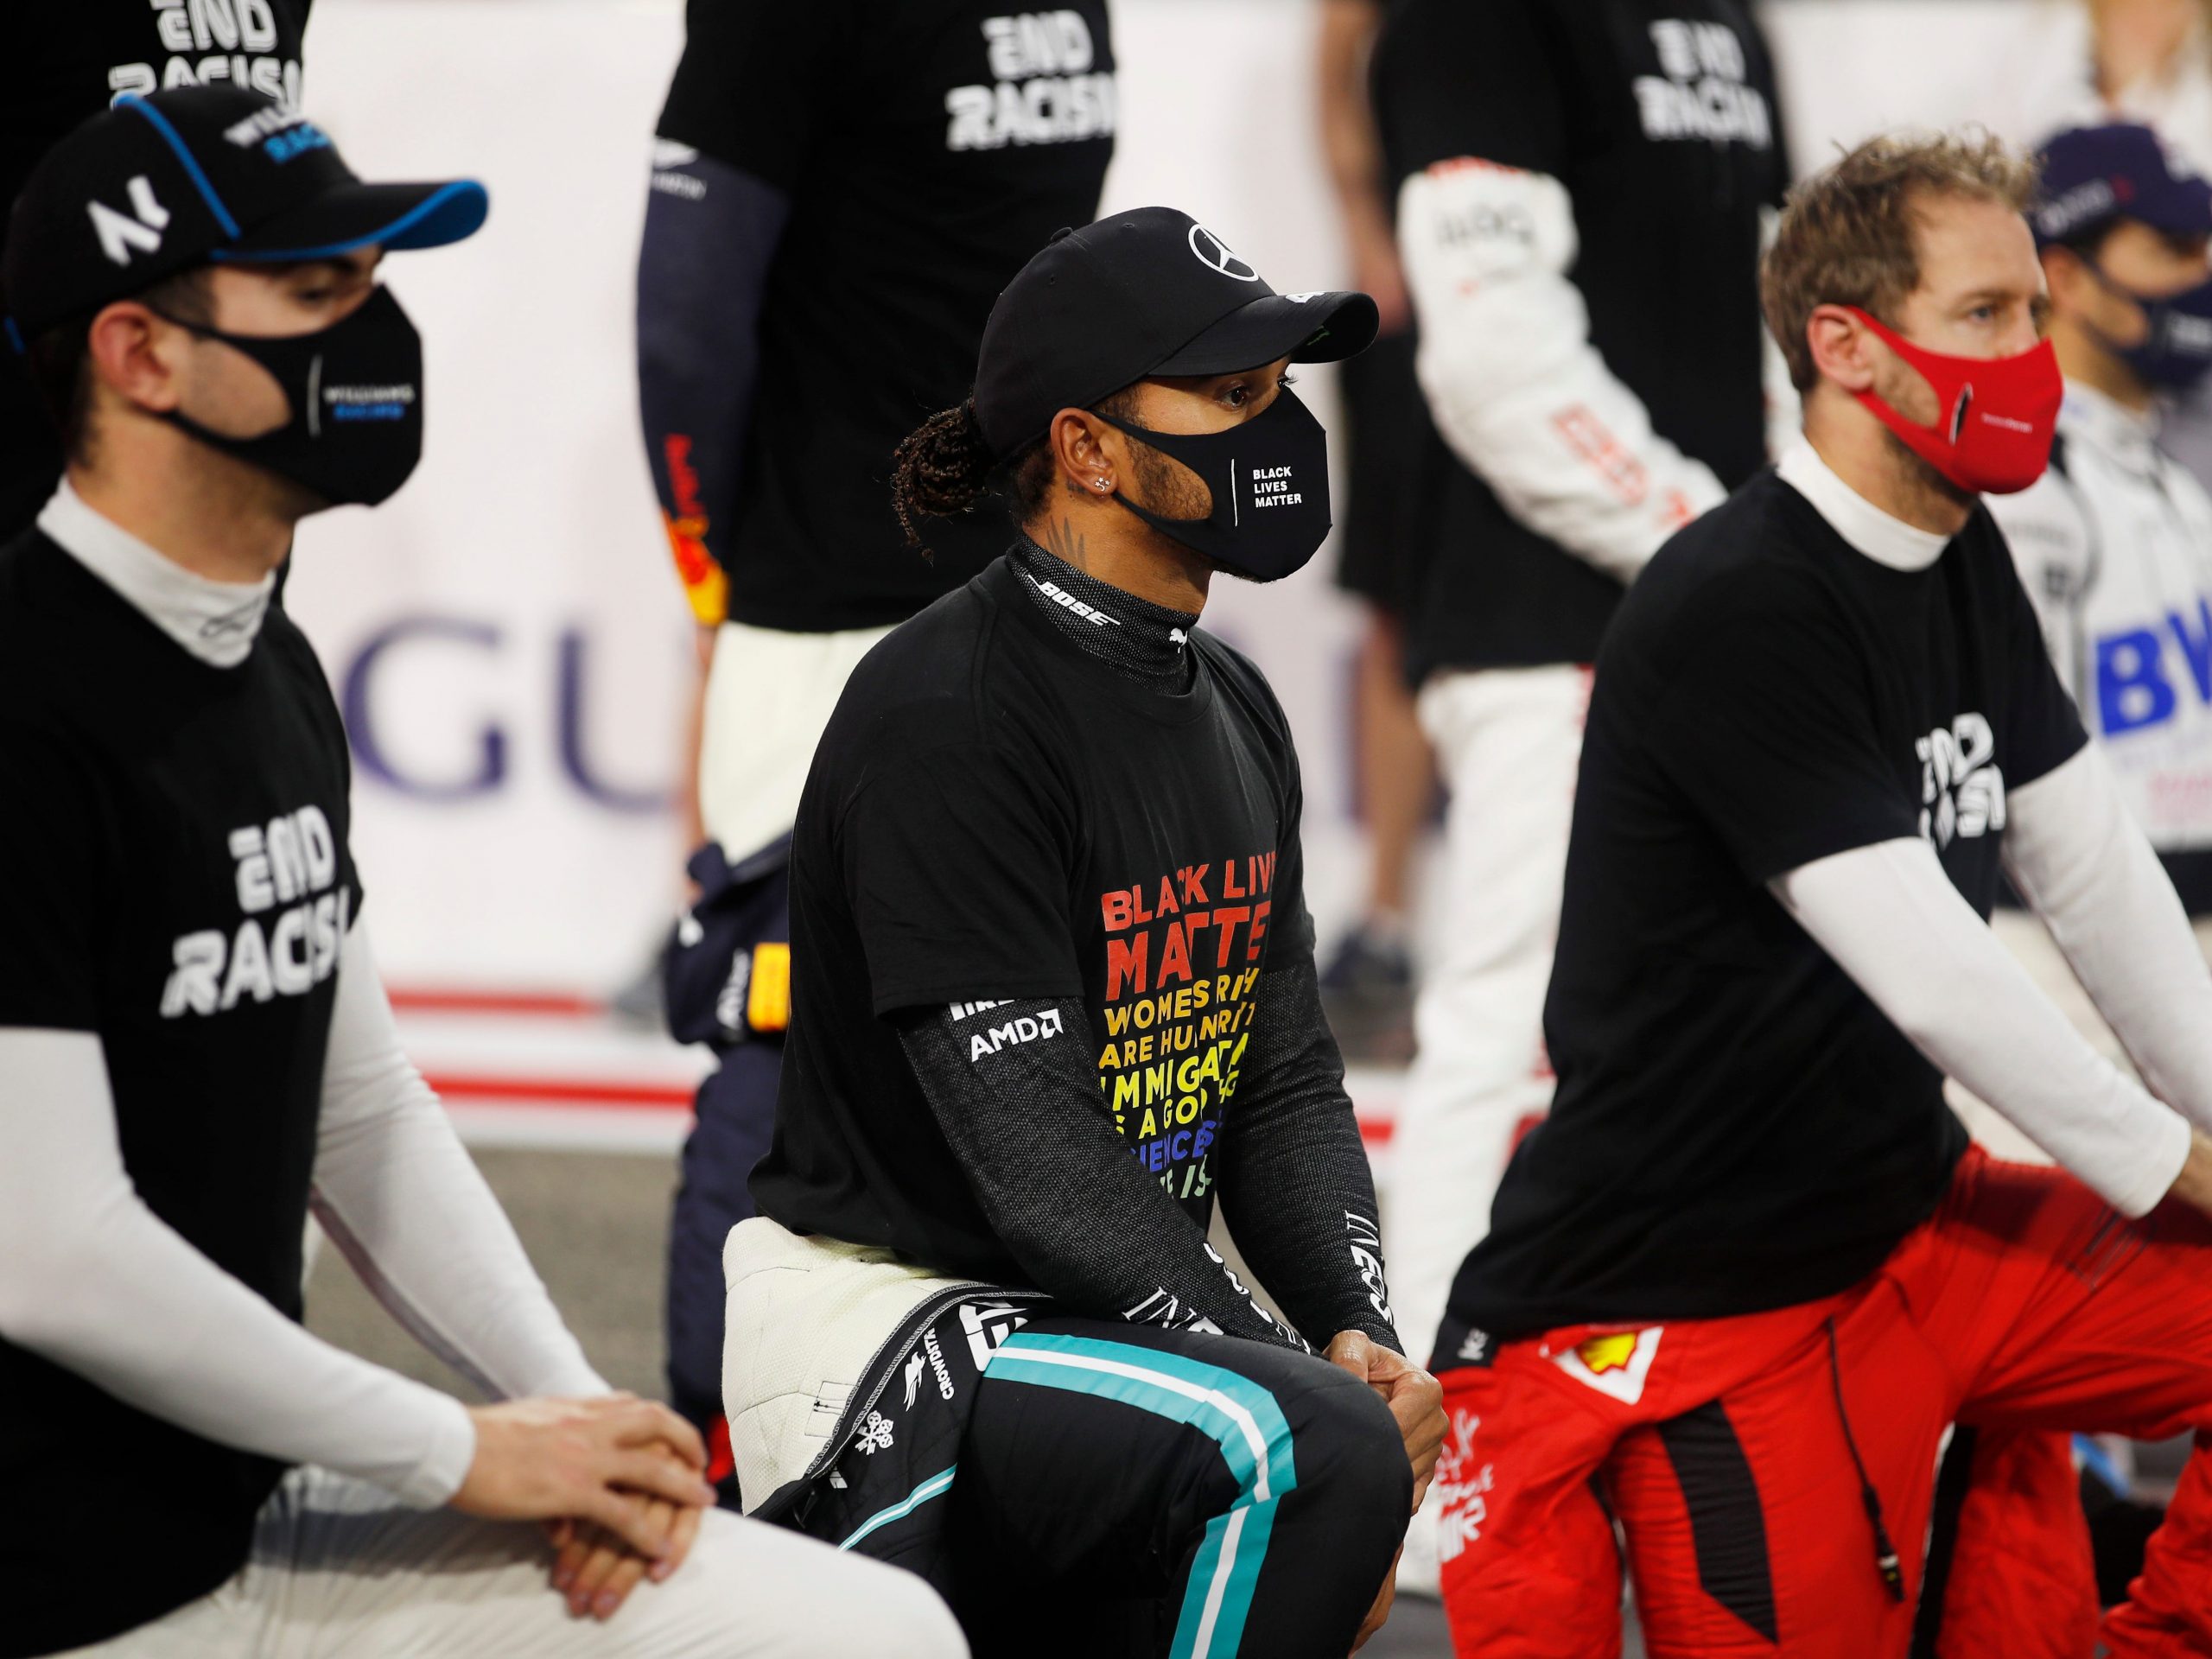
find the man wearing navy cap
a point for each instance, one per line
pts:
(2115, 543)
(194, 1046)
(1053, 991)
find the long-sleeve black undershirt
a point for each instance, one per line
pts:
(1091, 1228)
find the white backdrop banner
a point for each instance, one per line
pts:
(506, 639)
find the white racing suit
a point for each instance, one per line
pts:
(2114, 544)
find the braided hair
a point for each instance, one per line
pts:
(943, 467)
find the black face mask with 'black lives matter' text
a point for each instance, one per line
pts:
(1269, 479)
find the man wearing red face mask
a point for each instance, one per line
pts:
(1742, 1278)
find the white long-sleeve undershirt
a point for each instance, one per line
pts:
(1891, 919)
(92, 1280)
(2081, 860)
(402, 1198)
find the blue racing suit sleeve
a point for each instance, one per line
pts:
(758, 84)
(711, 235)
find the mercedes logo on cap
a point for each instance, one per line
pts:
(1215, 255)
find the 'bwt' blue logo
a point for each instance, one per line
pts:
(2134, 688)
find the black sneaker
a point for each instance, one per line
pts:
(1366, 964)
(1367, 991)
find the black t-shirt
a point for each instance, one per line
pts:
(69, 60)
(929, 148)
(993, 814)
(1599, 94)
(1737, 1126)
(177, 882)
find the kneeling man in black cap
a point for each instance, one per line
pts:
(1053, 991)
(194, 1042)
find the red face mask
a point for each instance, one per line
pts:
(1999, 413)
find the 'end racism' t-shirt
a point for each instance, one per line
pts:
(995, 814)
(1737, 1126)
(929, 148)
(174, 880)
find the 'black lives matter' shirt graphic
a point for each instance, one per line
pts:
(993, 814)
(179, 887)
(1737, 1126)
(1182, 957)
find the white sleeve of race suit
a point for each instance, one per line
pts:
(93, 1281)
(1891, 919)
(1785, 409)
(1512, 379)
(2078, 856)
(401, 1197)
(2048, 533)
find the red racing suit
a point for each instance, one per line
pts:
(1766, 1468)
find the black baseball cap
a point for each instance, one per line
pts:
(1147, 292)
(193, 175)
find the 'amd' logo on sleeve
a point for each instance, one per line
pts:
(984, 1044)
(292, 861)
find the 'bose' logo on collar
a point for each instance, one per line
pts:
(1068, 601)
(119, 234)
(1215, 255)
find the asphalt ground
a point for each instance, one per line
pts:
(594, 1224)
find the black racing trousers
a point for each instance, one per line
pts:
(1132, 1492)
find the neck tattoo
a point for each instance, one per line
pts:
(1131, 636)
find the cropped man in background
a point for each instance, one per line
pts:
(841, 188)
(1581, 185)
(2115, 546)
(67, 62)
(194, 1044)
(2115, 543)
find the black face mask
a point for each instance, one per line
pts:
(356, 393)
(2176, 352)
(1270, 482)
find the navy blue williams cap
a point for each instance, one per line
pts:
(1147, 292)
(2094, 175)
(193, 175)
